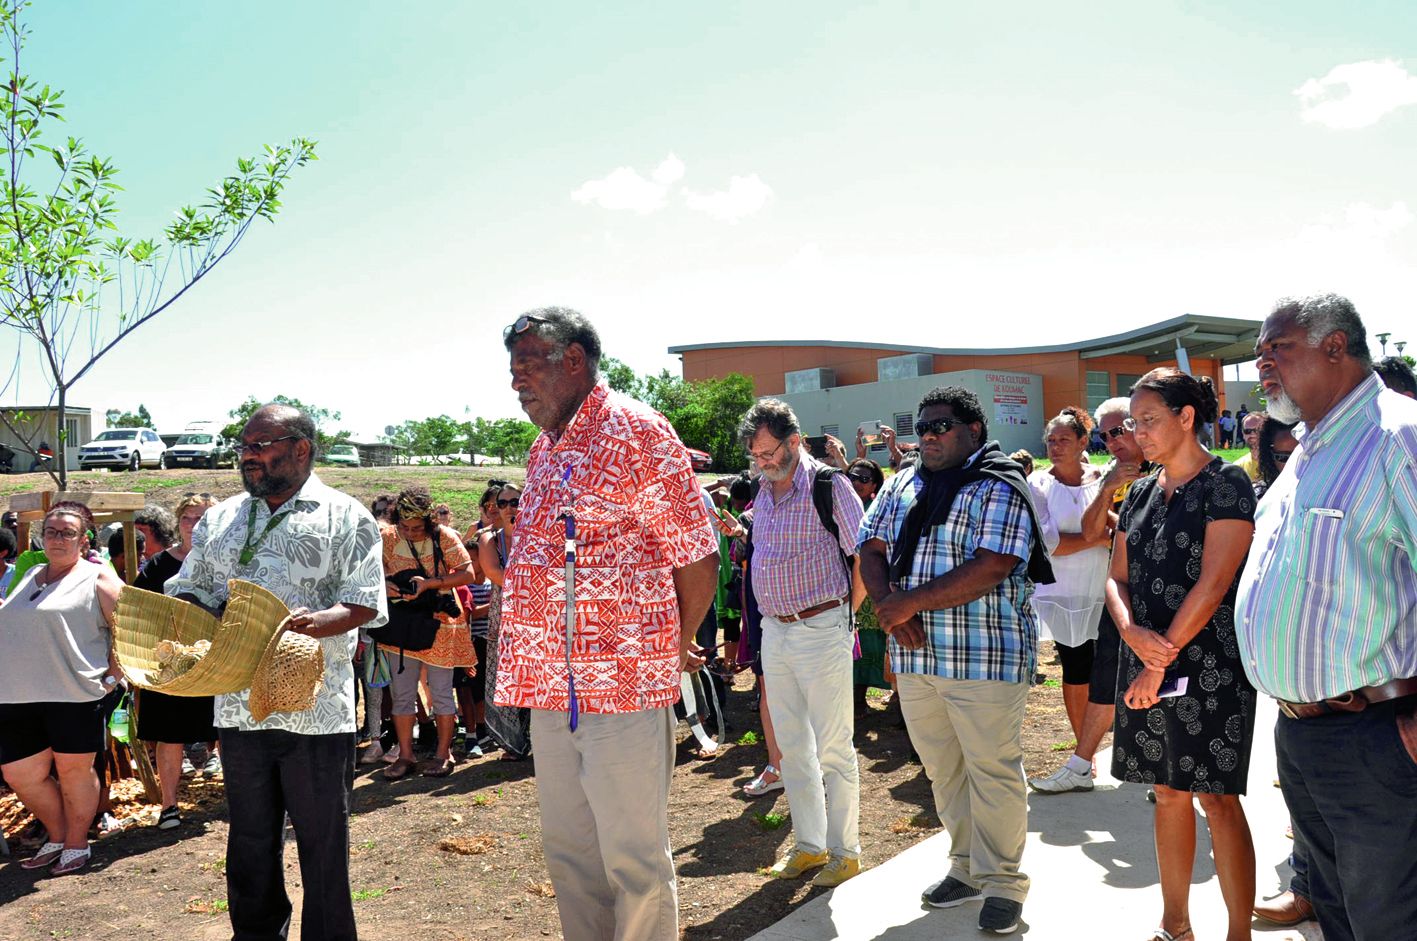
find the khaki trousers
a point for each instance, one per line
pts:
(967, 733)
(604, 796)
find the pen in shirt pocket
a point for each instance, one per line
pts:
(1326, 512)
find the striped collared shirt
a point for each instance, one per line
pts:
(795, 563)
(1328, 598)
(995, 636)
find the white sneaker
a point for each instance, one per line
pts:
(372, 754)
(1061, 781)
(391, 756)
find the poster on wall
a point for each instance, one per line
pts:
(1011, 397)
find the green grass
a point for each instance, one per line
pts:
(749, 738)
(1064, 746)
(771, 820)
(458, 486)
(364, 895)
(1051, 683)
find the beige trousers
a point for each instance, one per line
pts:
(604, 796)
(967, 733)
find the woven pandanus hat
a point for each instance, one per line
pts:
(288, 676)
(244, 642)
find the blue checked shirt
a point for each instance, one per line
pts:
(991, 638)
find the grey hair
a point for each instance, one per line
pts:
(774, 415)
(1323, 314)
(560, 327)
(1120, 405)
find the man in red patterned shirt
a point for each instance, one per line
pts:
(609, 476)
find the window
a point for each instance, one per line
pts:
(1125, 383)
(833, 430)
(904, 423)
(71, 431)
(1099, 388)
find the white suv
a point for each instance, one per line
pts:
(128, 448)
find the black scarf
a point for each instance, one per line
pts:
(933, 503)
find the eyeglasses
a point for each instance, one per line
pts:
(63, 535)
(521, 325)
(764, 458)
(937, 426)
(1148, 422)
(1115, 432)
(513, 503)
(1282, 456)
(861, 478)
(257, 447)
(193, 493)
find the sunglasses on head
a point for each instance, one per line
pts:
(521, 325)
(937, 426)
(513, 503)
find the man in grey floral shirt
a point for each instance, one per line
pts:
(319, 551)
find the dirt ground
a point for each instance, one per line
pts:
(460, 857)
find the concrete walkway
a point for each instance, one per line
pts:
(1093, 867)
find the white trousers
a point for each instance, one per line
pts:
(807, 665)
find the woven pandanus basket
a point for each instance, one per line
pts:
(239, 640)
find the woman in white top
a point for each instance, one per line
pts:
(56, 667)
(1069, 609)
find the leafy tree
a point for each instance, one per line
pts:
(117, 418)
(322, 417)
(509, 439)
(621, 377)
(59, 246)
(705, 412)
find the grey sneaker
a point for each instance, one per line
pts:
(212, 766)
(1062, 781)
(1000, 915)
(949, 893)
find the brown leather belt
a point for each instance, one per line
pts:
(813, 611)
(1355, 701)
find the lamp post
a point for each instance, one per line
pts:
(1382, 338)
(1401, 345)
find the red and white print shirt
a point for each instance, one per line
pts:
(639, 514)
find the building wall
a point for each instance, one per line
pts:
(45, 422)
(1012, 402)
(1064, 374)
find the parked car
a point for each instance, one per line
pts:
(702, 461)
(346, 455)
(201, 449)
(128, 448)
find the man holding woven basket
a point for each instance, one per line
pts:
(319, 552)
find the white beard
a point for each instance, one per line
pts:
(1282, 408)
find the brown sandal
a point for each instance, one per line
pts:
(438, 768)
(399, 769)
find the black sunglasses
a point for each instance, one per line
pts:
(938, 426)
(521, 325)
(1115, 432)
(513, 503)
(1281, 457)
(861, 478)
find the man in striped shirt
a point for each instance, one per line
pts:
(803, 584)
(1327, 616)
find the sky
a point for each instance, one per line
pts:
(943, 174)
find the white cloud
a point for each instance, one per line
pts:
(1374, 90)
(624, 189)
(1361, 227)
(745, 195)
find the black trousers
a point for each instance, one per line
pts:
(1351, 788)
(269, 773)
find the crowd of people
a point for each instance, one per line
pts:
(559, 626)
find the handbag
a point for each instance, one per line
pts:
(413, 625)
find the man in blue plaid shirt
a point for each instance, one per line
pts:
(949, 552)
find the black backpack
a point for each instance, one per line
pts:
(824, 502)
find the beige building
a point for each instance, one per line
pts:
(40, 423)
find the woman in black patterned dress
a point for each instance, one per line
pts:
(1182, 537)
